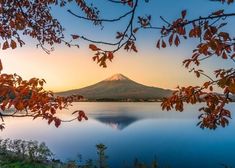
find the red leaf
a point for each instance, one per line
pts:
(95, 57)
(110, 56)
(74, 36)
(1, 67)
(224, 56)
(177, 41)
(135, 30)
(5, 45)
(211, 88)
(163, 44)
(93, 47)
(171, 39)
(219, 12)
(57, 122)
(13, 44)
(158, 44)
(183, 13)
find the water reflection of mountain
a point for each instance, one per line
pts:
(117, 122)
(122, 115)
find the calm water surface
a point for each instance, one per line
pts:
(133, 130)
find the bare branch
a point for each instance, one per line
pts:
(101, 20)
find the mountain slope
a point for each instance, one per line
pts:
(118, 87)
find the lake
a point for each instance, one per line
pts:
(132, 130)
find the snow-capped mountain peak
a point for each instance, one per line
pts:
(117, 77)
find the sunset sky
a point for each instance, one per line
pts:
(71, 68)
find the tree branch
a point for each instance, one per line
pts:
(101, 20)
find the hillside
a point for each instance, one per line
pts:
(118, 87)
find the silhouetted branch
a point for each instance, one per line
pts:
(118, 1)
(210, 17)
(101, 20)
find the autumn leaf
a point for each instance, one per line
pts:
(219, 12)
(1, 67)
(119, 35)
(110, 56)
(133, 47)
(211, 88)
(224, 56)
(135, 30)
(177, 41)
(12, 24)
(13, 44)
(95, 57)
(206, 84)
(93, 47)
(197, 74)
(171, 39)
(163, 44)
(232, 88)
(183, 13)
(158, 44)
(57, 122)
(5, 45)
(19, 106)
(74, 36)
(2, 127)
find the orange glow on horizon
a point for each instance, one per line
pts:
(72, 68)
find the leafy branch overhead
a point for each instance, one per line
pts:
(28, 99)
(213, 42)
(34, 19)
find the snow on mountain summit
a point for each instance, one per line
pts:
(117, 77)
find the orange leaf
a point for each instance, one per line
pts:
(232, 88)
(5, 45)
(206, 84)
(19, 106)
(13, 44)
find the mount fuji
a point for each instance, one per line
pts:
(118, 87)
